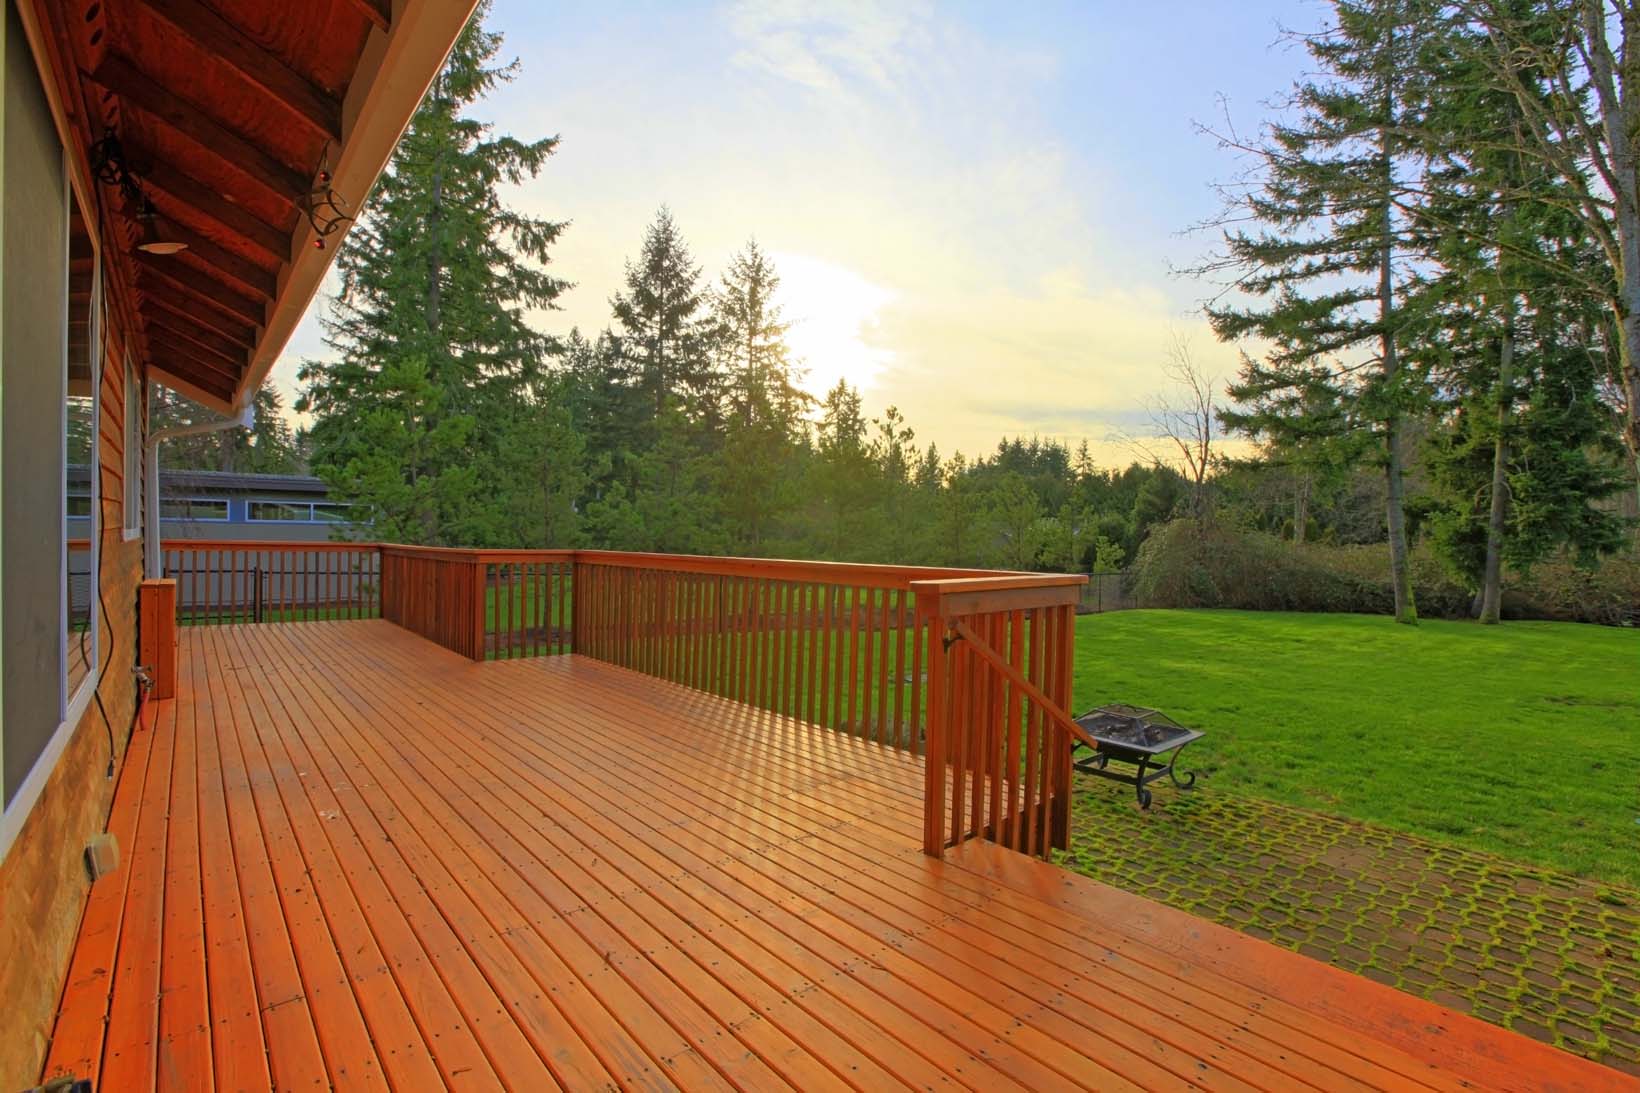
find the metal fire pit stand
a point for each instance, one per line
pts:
(1148, 741)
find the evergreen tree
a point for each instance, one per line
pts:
(764, 427)
(1328, 270)
(434, 354)
(268, 447)
(1500, 235)
(664, 338)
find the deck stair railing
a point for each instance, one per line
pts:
(1000, 657)
(970, 667)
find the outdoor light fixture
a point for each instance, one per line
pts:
(154, 240)
(109, 166)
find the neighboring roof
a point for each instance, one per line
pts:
(247, 126)
(234, 481)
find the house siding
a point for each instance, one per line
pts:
(43, 880)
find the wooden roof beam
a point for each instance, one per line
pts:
(218, 37)
(167, 179)
(138, 90)
(377, 11)
(175, 326)
(177, 350)
(203, 287)
(252, 277)
(196, 378)
(186, 308)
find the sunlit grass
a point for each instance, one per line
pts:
(1522, 739)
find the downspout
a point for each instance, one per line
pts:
(152, 562)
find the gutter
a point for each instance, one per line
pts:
(152, 561)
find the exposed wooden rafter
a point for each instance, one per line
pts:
(377, 11)
(215, 35)
(162, 295)
(177, 349)
(209, 341)
(250, 276)
(203, 287)
(138, 91)
(204, 379)
(167, 179)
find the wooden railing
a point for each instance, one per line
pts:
(233, 581)
(832, 643)
(529, 602)
(971, 667)
(1000, 659)
(481, 603)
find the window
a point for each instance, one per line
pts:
(81, 370)
(330, 512)
(299, 512)
(135, 418)
(280, 510)
(193, 508)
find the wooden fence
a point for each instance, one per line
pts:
(970, 667)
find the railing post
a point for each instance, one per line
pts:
(480, 584)
(931, 630)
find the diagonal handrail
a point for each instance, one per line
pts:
(995, 659)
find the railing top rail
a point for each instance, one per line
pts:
(267, 544)
(785, 569)
(1007, 592)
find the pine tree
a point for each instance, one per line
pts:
(268, 447)
(763, 383)
(429, 328)
(764, 428)
(1328, 270)
(664, 339)
(1501, 236)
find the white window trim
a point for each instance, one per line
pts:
(81, 695)
(223, 501)
(134, 389)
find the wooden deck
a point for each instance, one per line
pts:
(353, 859)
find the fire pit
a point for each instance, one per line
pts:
(1139, 738)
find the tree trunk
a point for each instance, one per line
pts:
(1400, 572)
(1629, 376)
(1492, 578)
(435, 261)
(1301, 508)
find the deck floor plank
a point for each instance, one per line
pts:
(358, 860)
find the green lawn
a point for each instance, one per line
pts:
(1522, 739)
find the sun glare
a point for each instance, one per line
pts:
(833, 314)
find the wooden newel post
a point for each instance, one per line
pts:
(931, 631)
(476, 570)
(157, 625)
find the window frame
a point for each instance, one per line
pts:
(136, 429)
(227, 511)
(73, 703)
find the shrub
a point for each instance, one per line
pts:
(1182, 564)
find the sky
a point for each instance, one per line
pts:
(978, 210)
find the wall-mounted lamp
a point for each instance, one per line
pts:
(109, 166)
(155, 239)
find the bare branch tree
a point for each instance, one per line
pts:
(1184, 422)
